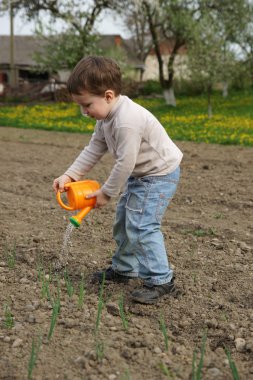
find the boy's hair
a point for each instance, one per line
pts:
(95, 74)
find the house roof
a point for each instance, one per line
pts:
(115, 40)
(166, 47)
(25, 47)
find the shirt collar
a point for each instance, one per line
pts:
(114, 108)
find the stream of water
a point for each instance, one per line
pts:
(64, 253)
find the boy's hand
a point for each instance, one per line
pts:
(58, 184)
(102, 198)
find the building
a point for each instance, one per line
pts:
(23, 67)
(180, 65)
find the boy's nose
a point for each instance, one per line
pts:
(83, 111)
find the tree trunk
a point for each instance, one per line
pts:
(251, 78)
(209, 92)
(168, 90)
(167, 85)
(155, 40)
(141, 74)
(169, 96)
(225, 90)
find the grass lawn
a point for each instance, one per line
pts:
(232, 121)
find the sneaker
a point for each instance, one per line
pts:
(110, 275)
(149, 295)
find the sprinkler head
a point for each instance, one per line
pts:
(74, 221)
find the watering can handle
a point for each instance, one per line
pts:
(63, 205)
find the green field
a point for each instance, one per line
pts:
(232, 121)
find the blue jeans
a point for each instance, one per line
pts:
(140, 245)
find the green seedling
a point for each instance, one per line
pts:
(122, 313)
(166, 371)
(224, 317)
(50, 274)
(8, 318)
(33, 357)
(40, 270)
(232, 365)
(100, 350)
(194, 360)
(10, 255)
(100, 304)
(81, 293)
(199, 232)
(209, 295)
(219, 215)
(40, 267)
(45, 292)
(212, 231)
(69, 286)
(126, 375)
(197, 369)
(56, 304)
(194, 277)
(191, 253)
(164, 331)
(110, 253)
(58, 293)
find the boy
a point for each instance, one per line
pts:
(146, 172)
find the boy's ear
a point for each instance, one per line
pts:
(109, 95)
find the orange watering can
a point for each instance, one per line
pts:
(76, 195)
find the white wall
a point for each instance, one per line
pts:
(152, 71)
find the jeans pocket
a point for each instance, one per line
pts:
(134, 203)
(146, 181)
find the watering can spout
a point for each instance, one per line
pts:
(76, 220)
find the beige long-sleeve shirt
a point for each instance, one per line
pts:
(138, 142)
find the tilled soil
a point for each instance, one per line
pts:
(208, 235)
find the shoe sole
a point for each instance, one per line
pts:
(150, 302)
(116, 281)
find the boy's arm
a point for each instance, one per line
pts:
(89, 156)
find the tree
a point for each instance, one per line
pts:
(169, 20)
(211, 53)
(209, 58)
(178, 22)
(247, 46)
(64, 49)
(245, 41)
(61, 51)
(137, 24)
(81, 15)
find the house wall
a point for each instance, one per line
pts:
(152, 69)
(10, 78)
(63, 75)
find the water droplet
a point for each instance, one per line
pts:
(63, 257)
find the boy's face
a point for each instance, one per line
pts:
(95, 106)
